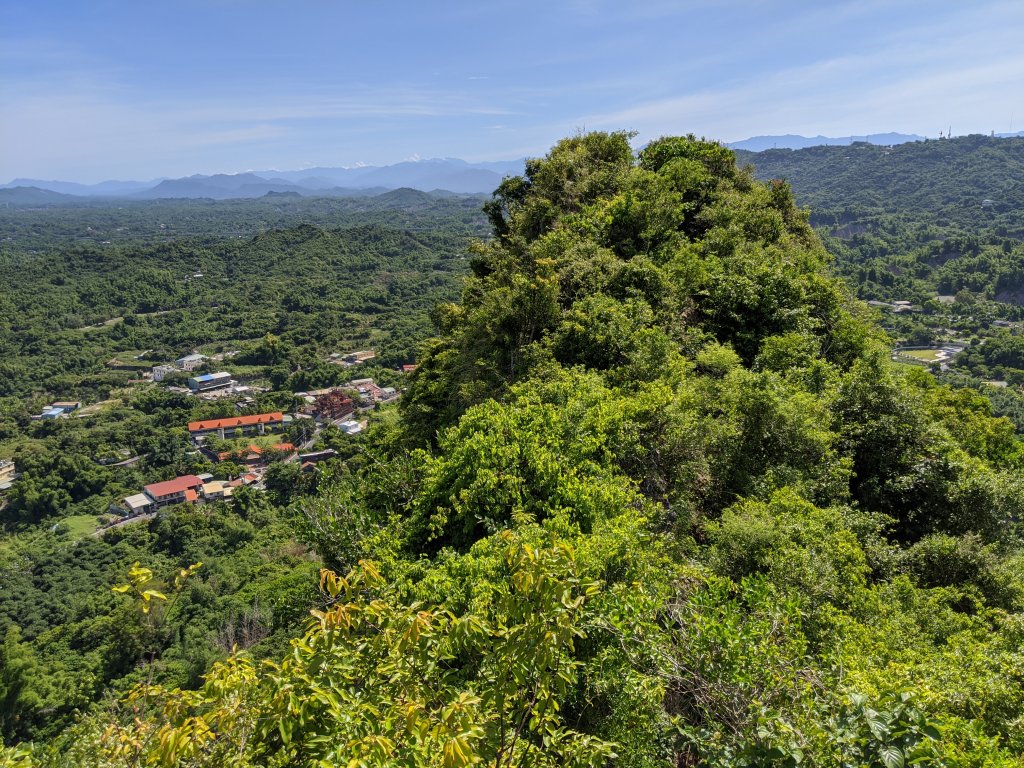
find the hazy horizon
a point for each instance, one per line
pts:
(112, 90)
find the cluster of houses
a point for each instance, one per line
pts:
(196, 488)
(370, 393)
(186, 363)
(329, 404)
(191, 489)
(206, 385)
(186, 489)
(337, 405)
(201, 488)
(58, 410)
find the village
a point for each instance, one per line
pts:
(272, 426)
(241, 447)
(244, 446)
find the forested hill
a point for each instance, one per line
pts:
(70, 311)
(656, 497)
(919, 219)
(949, 179)
(38, 227)
(938, 225)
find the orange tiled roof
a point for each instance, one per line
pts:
(236, 421)
(177, 485)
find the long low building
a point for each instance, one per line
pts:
(58, 410)
(207, 381)
(257, 424)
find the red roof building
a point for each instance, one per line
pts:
(256, 424)
(174, 491)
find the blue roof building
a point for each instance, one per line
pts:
(208, 381)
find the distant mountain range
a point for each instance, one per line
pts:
(438, 175)
(792, 141)
(104, 188)
(442, 175)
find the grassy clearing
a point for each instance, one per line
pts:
(80, 526)
(925, 355)
(9, 447)
(95, 408)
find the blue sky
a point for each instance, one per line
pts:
(103, 89)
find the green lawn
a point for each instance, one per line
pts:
(926, 355)
(79, 526)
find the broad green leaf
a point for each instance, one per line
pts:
(892, 757)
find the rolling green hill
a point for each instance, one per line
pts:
(917, 219)
(939, 224)
(655, 496)
(948, 179)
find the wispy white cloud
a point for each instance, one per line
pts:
(945, 70)
(51, 123)
(723, 68)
